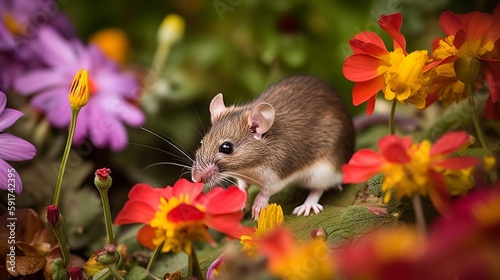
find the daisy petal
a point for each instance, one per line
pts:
(15, 149)
(228, 224)
(185, 213)
(477, 24)
(39, 80)
(136, 212)
(439, 195)
(371, 37)
(3, 101)
(8, 117)
(361, 47)
(395, 149)
(7, 181)
(370, 106)
(492, 75)
(361, 67)
(448, 143)
(145, 237)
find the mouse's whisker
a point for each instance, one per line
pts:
(183, 159)
(170, 142)
(166, 163)
(238, 175)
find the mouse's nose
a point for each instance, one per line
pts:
(203, 173)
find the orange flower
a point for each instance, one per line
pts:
(470, 51)
(397, 74)
(411, 169)
(176, 216)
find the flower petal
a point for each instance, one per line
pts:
(395, 149)
(9, 178)
(228, 224)
(392, 25)
(371, 38)
(450, 23)
(477, 24)
(439, 195)
(145, 237)
(184, 213)
(136, 212)
(183, 186)
(363, 165)
(492, 110)
(370, 106)
(363, 91)
(38, 80)
(15, 149)
(361, 67)
(223, 202)
(449, 142)
(456, 162)
(8, 117)
(56, 50)
(492, 75)
(3, 101)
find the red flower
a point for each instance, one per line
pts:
(398, 74)
(178, 215)
(411, 169)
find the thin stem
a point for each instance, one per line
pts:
(114, 272)
(194, 268)
(419, 214)
(57, 229)
(152, 260)
(160, 57)
(393, 113)
(74, 114)
(475, 118)
(107, 215)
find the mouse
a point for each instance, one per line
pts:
(297, 132)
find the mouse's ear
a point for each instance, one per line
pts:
(217, 107)
(261, 119)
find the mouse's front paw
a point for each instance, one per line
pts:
(258, 204)
(306, 209)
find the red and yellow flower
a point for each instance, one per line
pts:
(397, 74)
(470, 51)
(176, 216)
(411, 169)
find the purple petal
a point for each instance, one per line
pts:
(8, 117)
(118, 137)
(55, 50)
(39, 80)
(9, 178)
(3, 101)
(14, 148)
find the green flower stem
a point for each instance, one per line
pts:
(194, 268)
(160, 57)
(114, 271)
(475, 118)
(152, 260)
(74, 114)
(393, 112)
(57, 229)
(102, 275)
(419, 214)
(107, 215)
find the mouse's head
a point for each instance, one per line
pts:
(234, 143)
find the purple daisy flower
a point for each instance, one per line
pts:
(12, 148)
(112, 92)
(20, 21)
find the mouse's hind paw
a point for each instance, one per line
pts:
(305, 209)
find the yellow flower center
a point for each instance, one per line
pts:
(445, 49)
(488, 212)
(407, 179)
(404, 78)
(177, 236)
(12, 24)
(476, 47)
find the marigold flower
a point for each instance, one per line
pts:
(471, 49)
(399, 75)
(411, 169)
(176, 216)
(79, 92)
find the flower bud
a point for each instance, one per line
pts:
(102, 180)
(79, 92)
(171, 29)
(59, 272)
(75, 273)
(319, 233)
(108, 256)
(52, 216)
(467, 69)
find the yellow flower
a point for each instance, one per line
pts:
(270, 218)
(79, 92)
(171, 29)
(459, 181)
(405, 78)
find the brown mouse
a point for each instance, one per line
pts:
(297, 132)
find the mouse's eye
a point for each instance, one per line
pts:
(226, 148)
